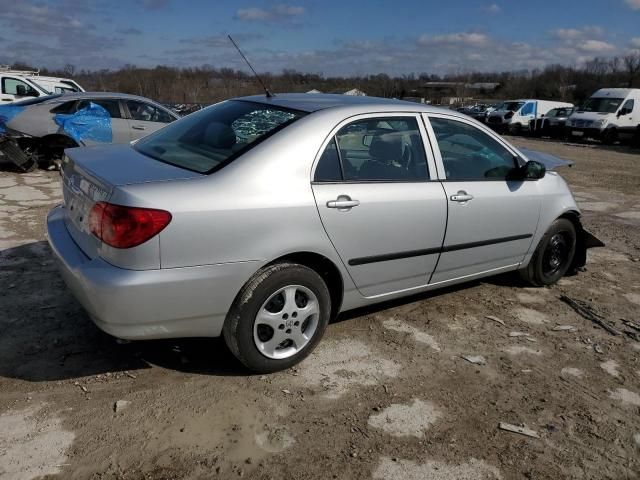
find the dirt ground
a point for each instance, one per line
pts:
(386, 395)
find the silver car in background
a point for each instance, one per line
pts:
(38, 130)
(260, 219)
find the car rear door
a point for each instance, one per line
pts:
(491, 219)
(379, 200)
(119, 124)
(145, 118)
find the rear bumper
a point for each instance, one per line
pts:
(147, 304)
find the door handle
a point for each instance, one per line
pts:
(461, 197)
(137, 127)
(343, 202)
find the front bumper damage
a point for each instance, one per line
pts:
(584, 241)
(17, 147)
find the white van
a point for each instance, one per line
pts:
(610, 114)
(516, 115)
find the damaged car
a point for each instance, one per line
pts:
(36, 131)
(261, 218)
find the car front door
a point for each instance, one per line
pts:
(11, 89)
(119, 124)
(145, 118)
(379, 200)
(492, 219)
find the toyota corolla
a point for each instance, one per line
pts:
(261, 218)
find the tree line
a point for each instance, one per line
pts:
(208, 84)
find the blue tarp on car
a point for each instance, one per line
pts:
(92, 123)
(7, 113)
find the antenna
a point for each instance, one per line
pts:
(266, 90)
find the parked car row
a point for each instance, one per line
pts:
(37, 130)
(609, 115)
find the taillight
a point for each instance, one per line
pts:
(126, 227)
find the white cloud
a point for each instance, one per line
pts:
(277, 13)
(577, 33)
(470, 39)
(493, 8)
(596, 46)
(635, 42)
(634, 4)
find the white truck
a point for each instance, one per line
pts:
(610, 114)
(515, 116)
(17, 85)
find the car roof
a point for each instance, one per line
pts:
(312, 102)
(84, 95)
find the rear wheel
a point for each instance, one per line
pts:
(553, 255)
(278, 318)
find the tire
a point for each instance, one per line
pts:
(610, 136)
(553, 256)
(270, 326)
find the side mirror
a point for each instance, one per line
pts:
(623, 111)
(532, 170)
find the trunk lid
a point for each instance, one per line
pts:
(91, 175)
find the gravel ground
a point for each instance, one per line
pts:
(414, 389)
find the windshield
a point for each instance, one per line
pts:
(35, 100)
(209, 139)
(602, 105)
(512, 106)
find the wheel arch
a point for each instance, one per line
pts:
(324, 267)
(584, 240)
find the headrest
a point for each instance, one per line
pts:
(219, 135)
(386, 146)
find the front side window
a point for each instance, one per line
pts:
(628, 106)
(147, 113)
(111, 106)
(13, 86)
(527, 109)
(207, 140)
(376, 149)
(468, 153)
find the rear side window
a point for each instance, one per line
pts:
(376, 149)
(111, 106)
(209, 139)
(328, 169)
(66, 107)
(146, 112)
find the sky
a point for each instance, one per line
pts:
(331, 37)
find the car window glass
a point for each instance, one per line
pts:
(628, 105)
(10, 86)
(382, 149)
(212, 137)
(527, 109)
(328, 168)
(147, 113)
(110, 106)
(468, 153)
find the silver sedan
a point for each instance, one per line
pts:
(260, 219)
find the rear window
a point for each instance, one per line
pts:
(209, 139)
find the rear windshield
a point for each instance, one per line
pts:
(209, 139)
(602, 105)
